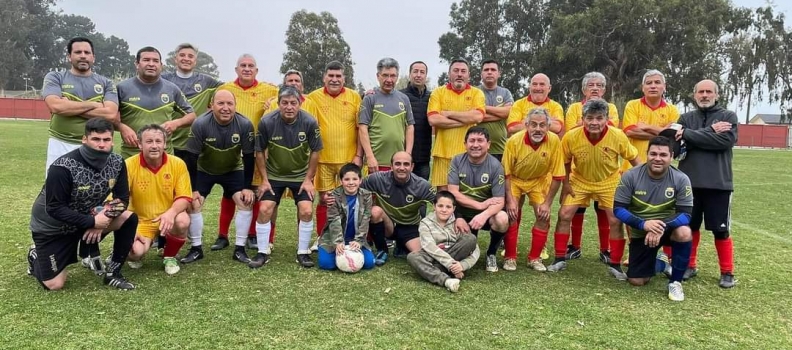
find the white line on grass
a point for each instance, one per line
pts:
(760, 231)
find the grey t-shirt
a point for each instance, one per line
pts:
(401, 202)
(387, 116)
(498, 97)
(220, 147)
(199, 89)
(289, 146)
(477, 181)
(650, 198)
(64, 84)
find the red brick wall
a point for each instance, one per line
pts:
(24, 108)
(752, 135)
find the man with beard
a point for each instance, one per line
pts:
(418, 93)
(539, 96)
(499, 101)
(709, 133)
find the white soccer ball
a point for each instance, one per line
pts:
(351, 261)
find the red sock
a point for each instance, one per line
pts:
(252, 229)
(604, 229)
(725, 249)
(577, 230)
(560, 241)
(172, 245)
(272, 232)
(510, 241)
(667, 251)
(321, 218)
(538, 241)
(617, 250)
(227, 209)
(694, 249)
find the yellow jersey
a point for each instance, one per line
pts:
(338, 119)
(450, 142)
(152, 191)
(250, 100)
(523, 161)
(522, 106)
(596, 160)
(638, 111)
(574, 115)
(305, 104)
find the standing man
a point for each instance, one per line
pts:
(294, 78)
(452, 110)
(287, 146)
(251, 97)
(418, 93)
(539, 96)
(591, 156)
(709, 133)
(65, 210)
(220, 151)
(534, 165)
(338, 122)
(386, 120)
(160, 194)
(499, 101)
(75, 96)
(148, 99)
(476, 180)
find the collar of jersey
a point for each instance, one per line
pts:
(527, 140)
(537, 103)
(153, 170)
(602, 135)
(451, 87)
(343, 90)
(646, 103)
(255, 83)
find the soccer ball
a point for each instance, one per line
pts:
(351, 261)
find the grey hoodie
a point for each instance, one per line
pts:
(709, 154)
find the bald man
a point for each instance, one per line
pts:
(538, 97)
(220, 151)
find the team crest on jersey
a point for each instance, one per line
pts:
(111, 183)
(669, 192)
(235, 138)
(197, 87)
(401, 106)
(167, 176)
(409, 198)
(485, 178)
(98, 88)
(544, 154)
(164, 98)
(499, 99)
(301, 136)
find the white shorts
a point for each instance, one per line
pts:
(55, 149)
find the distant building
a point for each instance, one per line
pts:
(770, 119)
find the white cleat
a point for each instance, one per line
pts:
(452, 284)
(675, 291)
(537, 265)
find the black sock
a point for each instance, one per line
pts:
(123, 238)
(378, 231)
(160, 242)
(495, 240)
(88, 249)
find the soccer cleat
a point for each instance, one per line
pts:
(160, 252)
(171, 266)
(305, 260)
(572, 253)
(315, 246)
(537, 265)
(381, 258)
(690, 273)
(259, 260)
(220, 244)
(118, 281)
(616, 271)
(240, 255)
(452, 284)
(662, 264)
(134, 264)
(510, 264)
(31, 258)
(544, 255)
(195, 254)
(252, 243)
(604, 256)
(727, 280)
(399, 252)
(675, 291)
(492, 263)
(556, 266)
(94, 264)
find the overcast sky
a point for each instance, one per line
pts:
(406, 30)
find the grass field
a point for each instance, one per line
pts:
(219, 303)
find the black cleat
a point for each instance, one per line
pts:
(604, 257)
(118, 281)
(305, 260)
(240, 255)
(259, 260)
(220, 243)
(31, 258)
(572, 252)
(195, 254)
(252, 242)
(690, 272)
(726, 280)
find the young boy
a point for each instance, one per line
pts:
(347, 220)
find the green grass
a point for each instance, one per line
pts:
(219, 303)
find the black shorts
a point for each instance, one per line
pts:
(713, 207)
(280, 186)
(232, 182)
(642, 257)
(486, 226)
(404, 233)
(54, 253)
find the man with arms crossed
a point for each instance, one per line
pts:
(499, 101)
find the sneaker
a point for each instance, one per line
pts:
(134, 264)
(195, 254)
(94, 264)
(675, 291)
(616, 271)
(558, 265)
(305, 260)
(241, 255)
(160, 252)
(544, 255)
(400, 253)
(572, 253)
(31, 258)
(492, 263)
(510, 264)
(252, 243)
(604, 256)
(171, 266)
(381, 258)
(259, 260)
(315, 246)
(662, 264)
(726, 280)
(690, 273)
(452, 284)
(118, 281)
(220, 244)
(537, 265)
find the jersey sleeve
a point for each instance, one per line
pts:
(262, 136)
(52, 85)
(480, 102)
(508, 98)
(570, 120)
(182, 107)
(684, 191)
(314, 136)
(499, 181)
(515, 114)
(630, 116)
(557, 168)
(453, 171)
(625, 188)
(508, 157)
(613, 115)
(566, 151)
(673, 116)
(194, 143)
(627, 150)
(366, 109)
(435, 103)
(110, 92)
(248, 138)
(183, 188)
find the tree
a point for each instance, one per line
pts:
(113, 59)
(313, 40)
(403, 81)
(26, 42)
(205, 64)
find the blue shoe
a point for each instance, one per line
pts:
(381, 258)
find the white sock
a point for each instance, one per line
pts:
(263, 235)
(196, 229)
(242, 222)
(304, 231)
